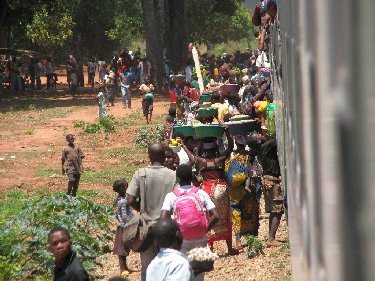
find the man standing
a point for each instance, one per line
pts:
(67, 265)
(159, 181)
(71, 161)
(273, 194)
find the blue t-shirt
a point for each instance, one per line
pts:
(126, 78)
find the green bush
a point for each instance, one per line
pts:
(24, 251)
(254, 246)
(145, 136)
(106, 123)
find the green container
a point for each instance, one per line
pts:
(209, 131)
(185, 130)
(207, 112)
(205, 97)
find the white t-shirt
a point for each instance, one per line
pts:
(202, 195)
(182, 155)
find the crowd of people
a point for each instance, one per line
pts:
(198, 188)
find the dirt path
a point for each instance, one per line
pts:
(32, 134)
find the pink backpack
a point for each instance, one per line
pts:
(189, 214)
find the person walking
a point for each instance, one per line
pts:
(158, 182)
(71, 161)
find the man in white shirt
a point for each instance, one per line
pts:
(170, 263)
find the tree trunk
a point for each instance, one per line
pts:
(153, 13)
(4, 36)
(178, 33)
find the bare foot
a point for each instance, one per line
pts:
(273, 243)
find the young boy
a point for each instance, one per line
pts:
(123, 215)
(71, 161)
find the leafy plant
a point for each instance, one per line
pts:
(106, 123)
(145, 136)
(254, 246)
(23, 251)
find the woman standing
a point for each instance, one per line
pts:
(211, 167)
(242, 182)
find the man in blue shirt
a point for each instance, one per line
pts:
(170, 263)
(126, 79)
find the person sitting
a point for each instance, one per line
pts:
(170, 263)
(67, 265)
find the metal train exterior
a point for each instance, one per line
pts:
(323, 54)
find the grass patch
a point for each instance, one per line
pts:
(47, 172)
(110, 175)
(135, 115)
(283, 249)
(30, 131)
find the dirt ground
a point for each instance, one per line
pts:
(32, 134)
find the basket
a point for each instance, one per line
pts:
(201, 266)
(209, 131)
(243, 128)
(176, 148)
(207, 112)
(185, 130)
(178, 78)
(204, 98)
(240, 117)
(227, 89)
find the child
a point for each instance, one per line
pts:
(101, 99)
(147, 102)
(123, 215)
(73, 84)
(71, 160)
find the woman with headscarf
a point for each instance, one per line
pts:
(211, 167)
(242, 191)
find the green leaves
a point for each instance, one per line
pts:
(50, 28)
(106, 123)
(145, 136)
(255, 246)
(24, 252)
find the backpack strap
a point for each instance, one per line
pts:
(142, 183)
(194, 189)
(177, 192)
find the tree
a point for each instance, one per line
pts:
(128, 23)
(50, 28)
(215, 21)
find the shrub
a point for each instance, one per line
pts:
(106, 123)
(145, 136)
(254, 246)
(24, 251)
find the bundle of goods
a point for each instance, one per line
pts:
(175, 144)
(242, 125)
(202, 259)
(185, 130)
(227, 89)
(208, 130)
